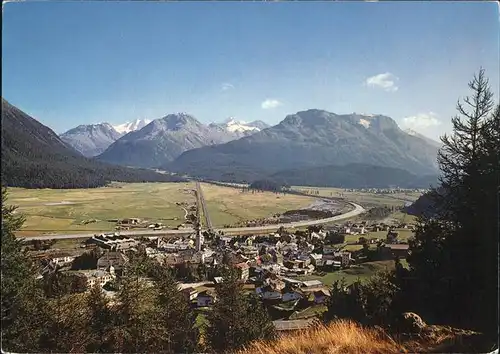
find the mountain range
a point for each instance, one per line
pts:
(308, 139)
(312, 147)
(33, 156)
(93, 139)
(164, 139)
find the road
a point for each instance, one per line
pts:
(201, 199)
(358, 209)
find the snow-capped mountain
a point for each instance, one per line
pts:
(91, 139)
(423, 137)
(240, 127)
(163, 140)
(131, 126)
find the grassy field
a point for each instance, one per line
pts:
(230, 205)
(63, 210)
(404, 235)
(55, 211)
(362, 272)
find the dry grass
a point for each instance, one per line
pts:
(347, 337)
(338, 337)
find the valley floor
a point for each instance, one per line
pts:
(55, 211)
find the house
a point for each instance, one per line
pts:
(275, 283)
(360, 230)
(245, 270)
(61, 258)
(316, 259)
(400, 250)
(205, 298)
(291, 281)
(190, 293)
(329, 249)
(345, 258)
(97, 277)
(320, 296)
(112, 258)
(114, 242)
(311, 284)
(268, 293)
(291, 295)
(130, 221)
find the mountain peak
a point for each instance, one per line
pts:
(92, 139)
(128, 127)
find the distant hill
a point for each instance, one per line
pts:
(33, 156)
(311, 139)
(354, 176)
(92, 139)
(427, 204)
(163, 140)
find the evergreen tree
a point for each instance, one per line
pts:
(135, 321)
(23, 304)
(176, 320)
(344, 302)
(100, 318)
(66, 330)
(454, 256)
(236, 320)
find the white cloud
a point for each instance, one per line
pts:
(421, 121)
(227, 86)
(270, 104)
(386, 81)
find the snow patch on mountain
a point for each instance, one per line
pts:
(240, 127)
(365, 123)
(131, 126)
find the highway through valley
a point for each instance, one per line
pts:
(358, 209)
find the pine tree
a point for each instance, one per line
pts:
(236, 320)
(454, 256)
(23, 304)
(100, 318)
(66, 330)
(135, 321)
(175, 319)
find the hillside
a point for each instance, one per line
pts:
(33, 156)
(433, 142)
(163, 140)
(312, 138)
(92, 139)
(353, 176)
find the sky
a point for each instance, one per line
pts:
(72, 63)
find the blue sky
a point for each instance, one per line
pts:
(86, 62)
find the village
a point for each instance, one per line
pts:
(284, 268)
